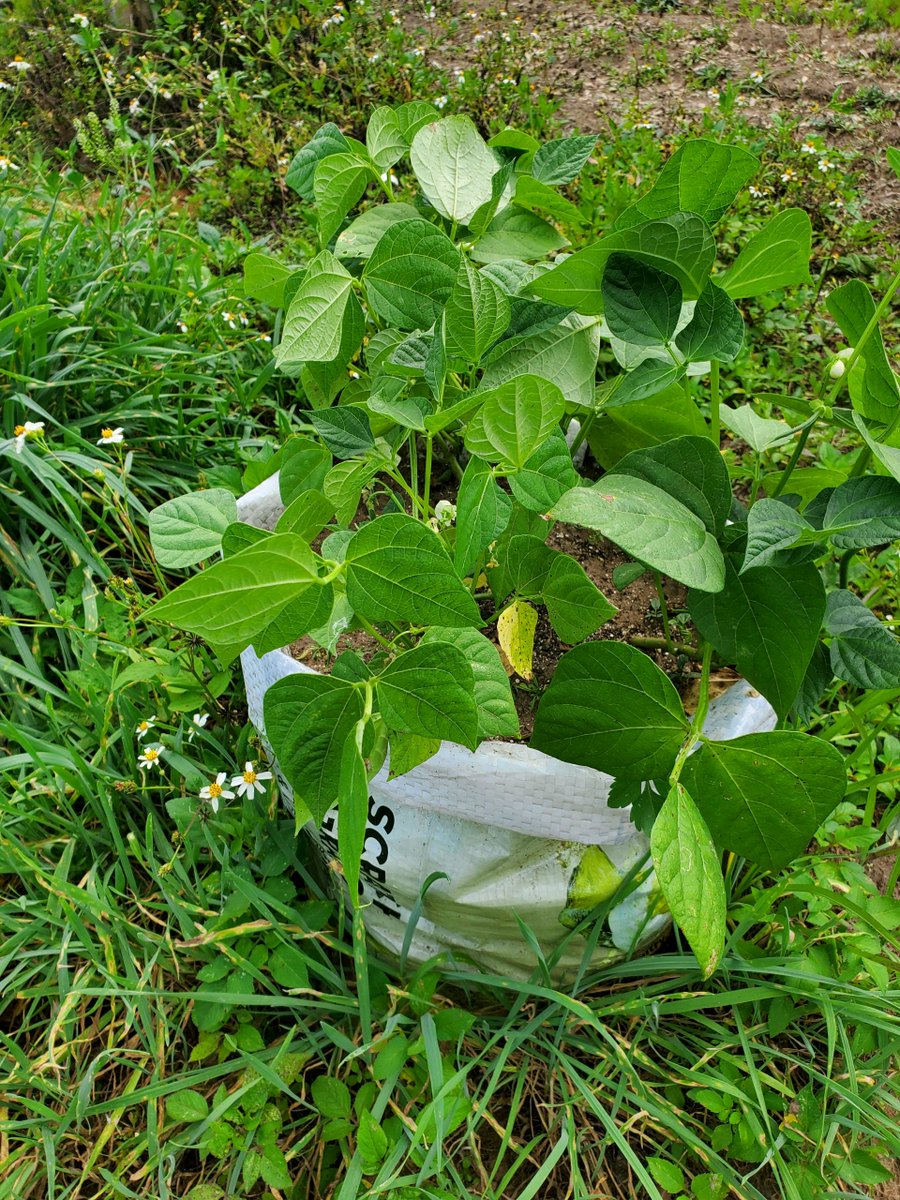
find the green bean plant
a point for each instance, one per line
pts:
(446, 329)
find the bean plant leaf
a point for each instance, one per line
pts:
(314, 321)
(863, 651)
(681, 245)
(559, 161)
(701, 177)
(408, 750)
(610, 707)
(345, 430)
(716, 329)
(523, 564)
(546, 476)
(567, 354)
(648, 378)
(265, 278)
(690, 469)
(642, 304)
(515, 419)
(649, 525)
(322, 381)
(307, 515)
(430, 691)
(239, 535)
(324, 142)
(304, 466)
(344, 484)
(537, 197)
(689, 873)
(516, 627)
(398, 570)
(453, 166)
(765, 795)
(482, 513)
(476, 315)
(516, 232)
(233, 601)
(760, 433)
(873, 387)
(493, 698)
(339, 183)
(410, 274)
(575, 605)
(187, 529)
(888, 456)
(364, 233)
(775, 257)
(309, 718)
(773, 527)
(766, 622)
(384, 138)
(411, 117)
(310, 610)
(872, 505)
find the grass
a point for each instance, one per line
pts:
(184, 1011)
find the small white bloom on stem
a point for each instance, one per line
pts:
(837, 369)
(111, 437)
(250, 780)
(215, 791)
(150, 758)
(19, 64)
(198, 721)
(143, 728)
(29, 429)
(7, 164)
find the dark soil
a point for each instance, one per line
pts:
(604, 63)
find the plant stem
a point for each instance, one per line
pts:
(414, 473)
(794, 459)
(654, 643)
(427, 493)
(370, 628)
(715, 426)
(699, 717)
(663, 610)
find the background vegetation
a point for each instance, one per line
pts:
(182, 1012)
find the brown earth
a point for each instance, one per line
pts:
(605, 63)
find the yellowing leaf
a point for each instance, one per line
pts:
(515, 632)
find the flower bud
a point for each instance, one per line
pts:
(837, 368)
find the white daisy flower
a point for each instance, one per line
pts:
(79, 19)
(713, 94)
(230, 320)
(757, 76)
(214, 792)
(393, 178)
(29, 429)
(809, 147)
(143, 728)
(250, 780)
(440, 101)
(198, 721)
(755, 191)
(6, 87)
(110, 437)
(134, 107)
(825, 164)
(151, 757)
(788, 175)
(182, 327)
(19, 64)
(7, 164)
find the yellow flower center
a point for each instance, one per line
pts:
(249, 777)
(19, 429)
(215, 789)
(151, 755)
(106, 433)
(143, 725)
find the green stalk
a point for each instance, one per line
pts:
(427, 494)
(664, 611)
(414, 474)
(715, 425)
(695, 734)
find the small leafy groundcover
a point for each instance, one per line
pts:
(451, 328)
